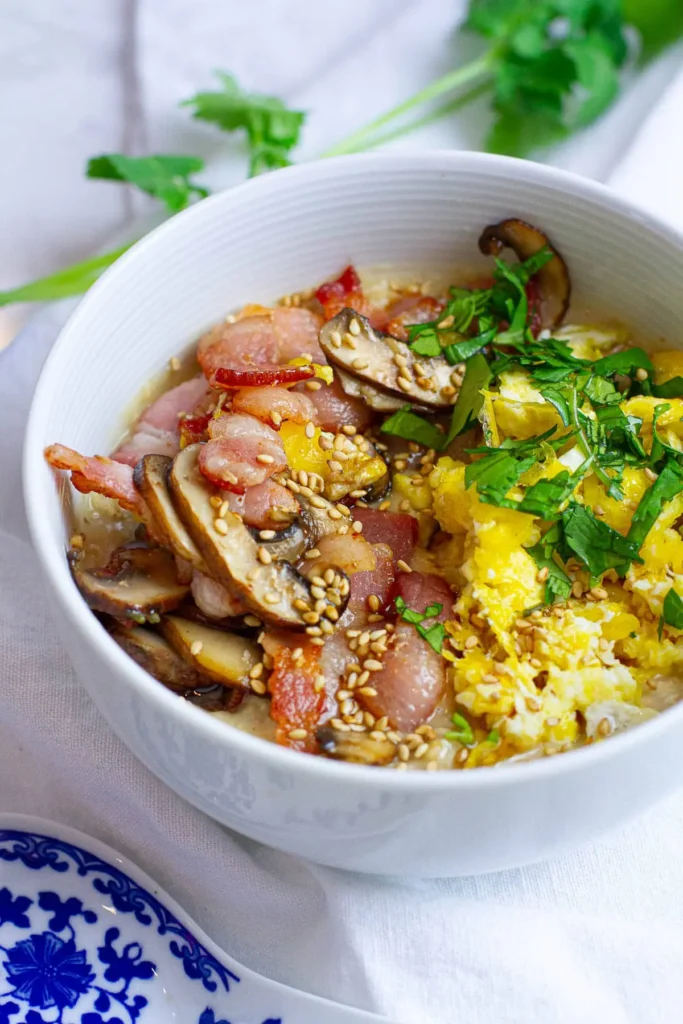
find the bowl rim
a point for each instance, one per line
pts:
(182, 713)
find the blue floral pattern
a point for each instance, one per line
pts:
(51, 964)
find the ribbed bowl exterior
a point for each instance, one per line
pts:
(276, 235)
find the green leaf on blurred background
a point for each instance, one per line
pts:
(659, 22)
(164, 177)
(272, 129)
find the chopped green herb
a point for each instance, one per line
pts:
(493, 737)
(407, 424)
(668, 484)
(626, 363)
(595, 543)
(164, 177)
(434, 634)
(672, 612)
(463, 732)
(669, 389)
(558, 584)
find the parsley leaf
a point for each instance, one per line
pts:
(595, 543)
(272, 129)
(672, 612)
(407, 424)
(669, 389)
(495, 475)
(164, 177)
(668, 484)
(626, 363)
(558, 584)
(434, 634)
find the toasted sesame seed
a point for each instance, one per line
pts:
(472, 641)
(650, 474)
(317, 641)
(542, 574)
(276, 418)
(319, 683)
(196, 648)
(533, 704)
(215, 501)
(641, 373)
(267, 534)
(359, 364)
(325, 443)
(420, 751)
(220, 526)
(251, 620)
(335, 339)
(372, 665)
(357, 526)
(317, 502)
(488, 677)
(599, 510)
(258, 686)
(604, 727)
(367, 691)
(354, 327)
(174, 363)
(266, 460)
(298, 734)
(462, 755)
(311, 617)
(577, 588)
(403, 566)
(599, 593)
(310, 430)
(314, 631)
(271, 598)
(404, 384)
(264, 556)
(77, 541)
(312, 553)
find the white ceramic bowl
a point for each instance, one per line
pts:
(276, 235)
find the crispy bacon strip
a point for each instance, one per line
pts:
(296, 703)
(230, 378)
(99, 474)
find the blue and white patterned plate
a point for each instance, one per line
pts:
(88, 938)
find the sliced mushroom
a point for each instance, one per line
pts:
(222, 656)
(139, 583)
(286, 545)
(151, 479)
(157, 657)
(366, 472)
(373, 360)
(276, 592)
(525, 241)
(358, 748)
(379, 400)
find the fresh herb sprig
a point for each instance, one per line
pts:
(166, 178)
(551, 67)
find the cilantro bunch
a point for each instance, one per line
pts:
(550, 67)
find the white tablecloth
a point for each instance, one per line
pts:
(595, 937)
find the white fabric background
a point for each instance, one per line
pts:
(595, 937)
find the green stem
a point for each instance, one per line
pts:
(65, 283)
(447, 83)
(445, 110)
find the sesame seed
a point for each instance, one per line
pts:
(174, 363)
(472, 641)
(311, 617)
(77, 541)
(641, 373)
(604, 727)
(251, 620)
(372, 665)
(599, 510)
(488, 677)
(359, 364)
(403, 566)
(444, 324)
(533, 704)
(357, 526)
(298, 734)
(368, 691)
(270, 598)
(650, 474)
(404, 384)
(266, 460)
(196, 648)
(319, 683)
(599, 593)
(325, 443)
(354, 327)
(577, 588)
(335, 339)
(264, 556)
(220, 526)
(258, 686)
(267, 534)
(542, 574)
(276, 418)
(215, 501)
(420, 751)
(310, 430)
(312, 553)
(462, 755)
(349, 340)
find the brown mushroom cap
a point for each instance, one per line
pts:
(138, 583)
(373, 361)
(525, 241)
(151, 479)
(275, 591)
(157, 657)
(225, 657)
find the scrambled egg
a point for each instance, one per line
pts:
(540, 678)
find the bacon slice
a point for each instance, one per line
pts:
(213, 598)
(347, 290)
(157, 430)
(397, 529)
(410, 683)
(273, 405)
(99, 474)
(420, 590)
(334, 409)
(193, 429)
(296, 702)
(232, 379)
(231, 459)
(268, 339)
(266, 506)
(412, 309)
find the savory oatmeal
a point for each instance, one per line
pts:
(438, 531)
